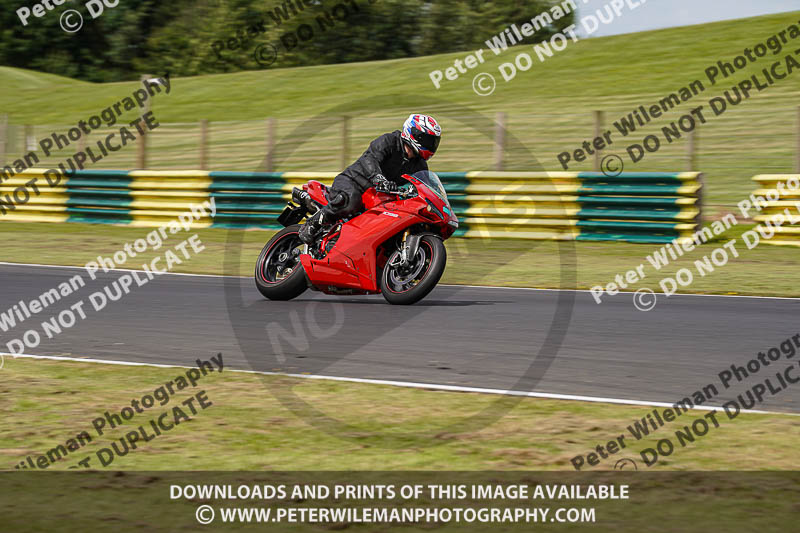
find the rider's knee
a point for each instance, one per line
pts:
(339, 201)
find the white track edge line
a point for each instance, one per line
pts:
(413, 385)
(440, 285)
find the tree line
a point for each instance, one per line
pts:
(193, 37)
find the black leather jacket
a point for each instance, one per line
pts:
(385, 155)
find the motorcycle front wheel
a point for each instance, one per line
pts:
(408, 284)
(279, 274)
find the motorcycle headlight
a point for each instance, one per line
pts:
(430, 209)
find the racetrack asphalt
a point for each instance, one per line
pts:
(468, 336)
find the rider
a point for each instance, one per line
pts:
(388, 157)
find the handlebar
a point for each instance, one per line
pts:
(399, 192)
(380, 188)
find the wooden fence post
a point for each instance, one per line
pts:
(345, 142)
(499, 140)
(204, 144)
(141, 145)
(3, 138)
(29, 139)
(141, 152)
(598, 131)
(691, 150)
(270, 144)
(82, 143)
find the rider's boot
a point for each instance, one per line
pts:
(311, 229)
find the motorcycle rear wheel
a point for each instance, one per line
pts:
(406, 286)
(279, 273)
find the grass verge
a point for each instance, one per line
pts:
(765, 271)
(248, 428)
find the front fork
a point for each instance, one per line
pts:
(408, 248)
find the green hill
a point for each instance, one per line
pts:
(17, 79)
(590, 72)
(549, 107)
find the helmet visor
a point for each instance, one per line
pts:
(428, 142)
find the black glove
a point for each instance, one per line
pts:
(382, 184)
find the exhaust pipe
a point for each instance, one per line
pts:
(301, 197)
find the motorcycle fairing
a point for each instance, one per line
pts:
(318, 191)
(352, 263)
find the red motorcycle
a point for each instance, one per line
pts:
(395, 246)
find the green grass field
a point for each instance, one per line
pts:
(549, 108)
(248, 427)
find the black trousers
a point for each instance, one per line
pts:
(344, 199)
